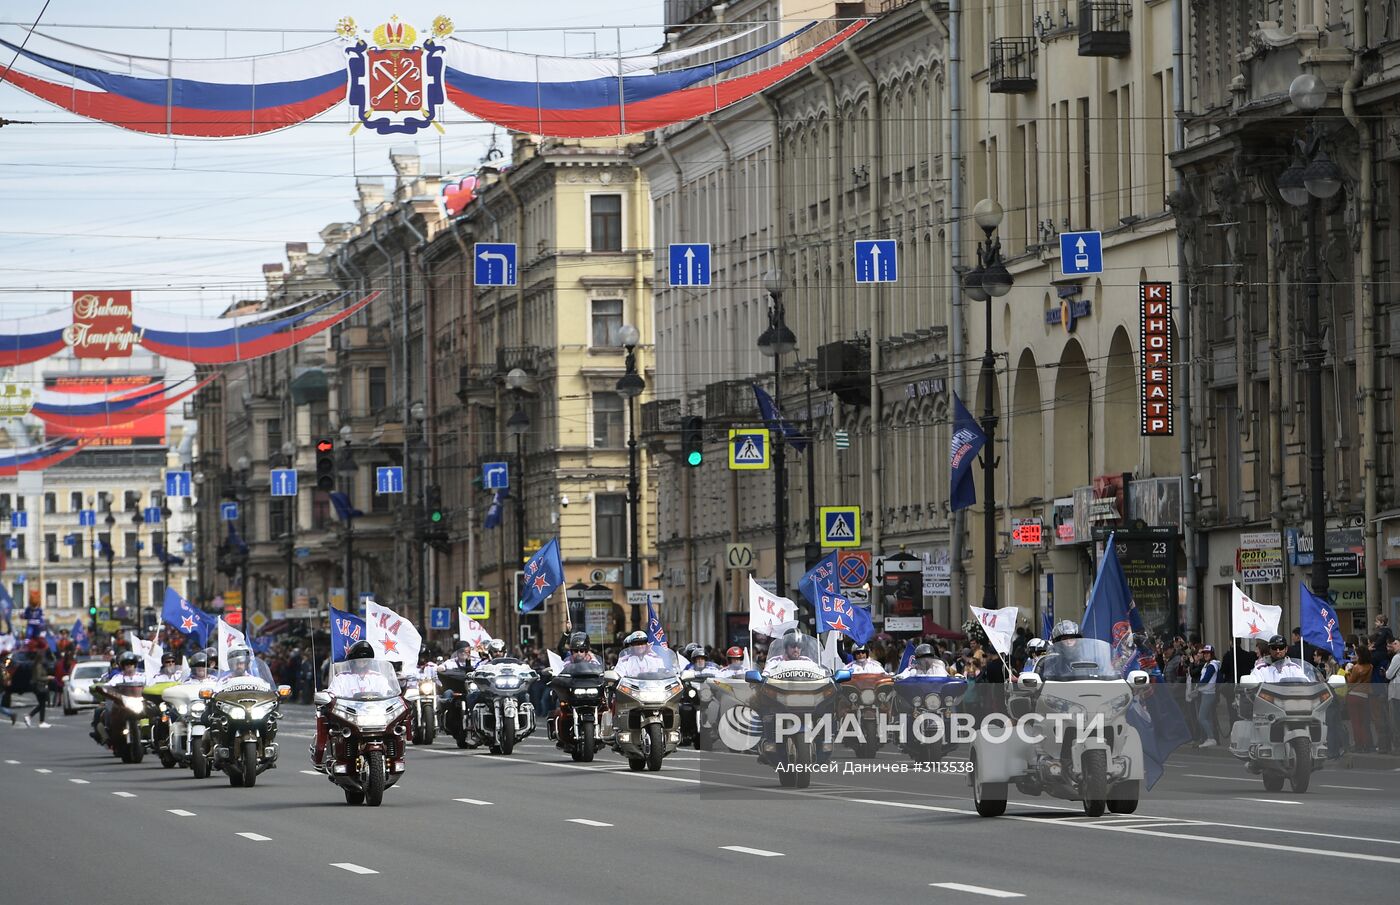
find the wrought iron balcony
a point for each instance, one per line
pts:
(730, 400)
(660, 415)
(843, 368)
(530, 359)
(1103, 28)
(1012, 65)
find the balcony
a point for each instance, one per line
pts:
(476, 382)
(843, 368)
(1012, 66)
(660, 415)
(731, 400)
(530, 359)
(1103, 28)
(679, 12)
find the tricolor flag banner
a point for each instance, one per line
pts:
(346, 629)
(1251, 619)
(393, 636)
(999, 626)
(769, 614)
(230, 638)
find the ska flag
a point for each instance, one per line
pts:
(544, 573)
(966, 442)
(1320, 626)
(834, 612)
(346, 629)
(185, 619)
(656, 633)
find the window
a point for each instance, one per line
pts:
(75, 550)
(133, 591)
(320, 510)
(378, 390)
(605, 222)
(130, 545)
(158, 589)
(78, 594)
(51, 593)
(51, 548)
(610, 525)
(131, 500)
(104, 544)
(19, 550)
(104, 591)
(75, 501)
(277, 518)
(379, 502)
(607, 421)
(607, 322)
(4, 502)
(50, 503)
(274, 437)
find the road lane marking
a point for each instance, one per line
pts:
(1221, 778)
(1270, 800)
(42, 770)
(353, 868)
(312, 772)
(745, 850)
(980, 890)
(255, 837)
(81, 782)
(125, 794)
(11, 761)
(1351, 788)
(471, 801)
(583, 822)
(179, 812)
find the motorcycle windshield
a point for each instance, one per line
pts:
(585, 668)
(363, 680)
(655, 663)
(249, 675)
(1078, 659)
(795, 648)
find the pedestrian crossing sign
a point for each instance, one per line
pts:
(748, 448)
(476, 604)
(840, 526)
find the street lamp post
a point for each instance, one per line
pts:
(1312, 177)
(346, 466)
(110, 521)
(165, 514)
(774, 343)
(244, 465)
(989, 280)
(92, 573)
(419, 414)
(517, 426)
(138, 520)
(200, 523)
(629, 387)
(289, 456)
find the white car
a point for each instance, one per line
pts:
(77, 691)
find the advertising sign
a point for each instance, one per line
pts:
(1259, 566)
(101, 326)
(1155, 343)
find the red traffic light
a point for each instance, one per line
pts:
(325, 446)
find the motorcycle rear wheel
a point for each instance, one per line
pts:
(1123, 798)
(250, 763)
(1273, 782)
(636, 764)
(461, 740)
(374, 788)
(989, 798)
(656, 747)
(167, 757)
(589, 743)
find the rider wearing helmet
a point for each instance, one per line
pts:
(733, 663)
(1065, 641)
(199, 668)
(496, 649)
(461, 657)
(129, 670)
(1035, 649)
(580, 650)
(169, 670)
(359, 678)
(925, 663)
(700, 664)
(862, 663)
(637, 656)
(240, 669)
(1278, 665)
(793, 649)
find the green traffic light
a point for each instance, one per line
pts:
(437, 515)
(693, 458)
(92, 611)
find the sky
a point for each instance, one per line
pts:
(187, 224)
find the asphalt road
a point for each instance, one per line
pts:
(536, 827)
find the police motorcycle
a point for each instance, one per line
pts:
(794, 684)
(927, 704)
(1285, 738)
(366, 727)
(500, 712)
(242, 713)
(646, 708)
(120, 722)
(187, 710)
(160, 715)
(1071, 739)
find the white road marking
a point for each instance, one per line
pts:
(353, 868)
(1270, 800)
(1352, 788)
(471, 801)
(745, 850)
(583, 822)
(312, 772)
(81, 782)
(42, 770)
(1221, 778)
(11, 761)
(255, 837)
(125, 794)
(179, 813)
(980, 890)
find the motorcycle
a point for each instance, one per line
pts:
(928, 701)
(457, 693)
(366, 732)
(582, 694)
(243, 712)
(645, 711)
(697, 711)
(121, 725)
(1094, 757)
(420, 693)
(501, 713)
(186, 710)
(159, 721)
(797, 686)
(1286, 735)
(864, 698)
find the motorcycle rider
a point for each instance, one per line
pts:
(925, 663)
(792, 650)
(169, 671)
(580, 651)
(1278, 665)
(1063, 639)
(461, 657)
(360, 679)
(496, 649)
(1035, 649)
(128, 673)
(862, 663)
(240, 660)
(199, 669)
(734, 665)
(638, 657)
(699, 663)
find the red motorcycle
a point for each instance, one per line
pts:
(366, 731)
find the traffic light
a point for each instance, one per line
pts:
(693, 440)
(92, 611)
(436, 516)
(325, 464)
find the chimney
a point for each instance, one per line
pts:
(296, 256)
(371, 195)
(273, 275)
(407, 168)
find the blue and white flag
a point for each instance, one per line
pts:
(346, 629)
(775, 421)
(1112, 615)
(544, 573)
(186, 619)
(837, 614)
(967, 440)
(820, 579)
(1320, 626)
(656, 633)
(495, 510)
(80, 636)
(344, 509)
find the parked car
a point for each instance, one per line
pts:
(77, 691)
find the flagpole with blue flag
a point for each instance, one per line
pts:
(544, 574)
(1320, 626)
(966, 441)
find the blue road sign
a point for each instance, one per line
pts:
(13, 543)
(495, 263)
(87, 518)
(840, 526)
(690, 264)
(495, 475)
(476, 604)
(187, 546)
(1081, 253)
(283, 481)
(302, 552)
(19, 519)
(876, 261)
(388, 479)
(440, 617)
(177, 483)
(151, 515)
(228, 511)
(70, 539)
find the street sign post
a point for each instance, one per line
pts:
(87, 518)
(495, 475)
(440, 617)
(178, 483)
(690, 264)
(853, 568)
(494, 263)
(388, 479)
(476, 604)
(748, 448)
(228, 511)
(876, 261)
(1081, 253)
(283, 481)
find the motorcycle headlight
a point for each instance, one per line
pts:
(235, 712)
(425, 687)
(197, 707)
(508, 682)
(259, 711)
(690, 693)
(917, 701)
(586, 692)
(1062, 705)
(867, 696)
(135, 705)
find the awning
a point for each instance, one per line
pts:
(938, 631)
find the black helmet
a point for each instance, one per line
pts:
(578, 641)
(360, 650)
(167, 657)
(199, 661)
(460, 645)
(1277, 641)
(129, 658)
(924, 650)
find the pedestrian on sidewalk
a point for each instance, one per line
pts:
(1359, 699)
(1205, 689)
(1392, 678)
(39, 684)
(5, 709)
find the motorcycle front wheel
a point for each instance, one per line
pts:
(250, 763)
(506, 732)
(1302, 764)
(1095, 783)
(199, 760)
(589, 743)
(133, 744)
(656, 746)
(374, 788)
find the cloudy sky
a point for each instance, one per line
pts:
(188, 223)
